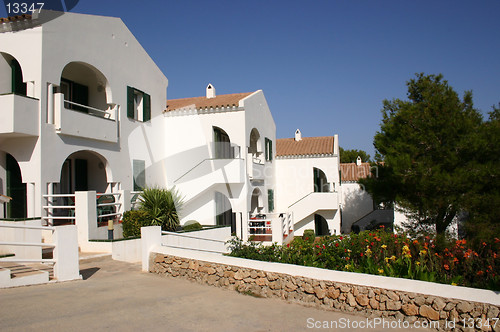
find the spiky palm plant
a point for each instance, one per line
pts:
(162, 206)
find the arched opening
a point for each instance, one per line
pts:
(224, 215)
(11, 185)
(84, 171)
(85, 89)
(320, 225)
(222, 144)
(321, 184)
(256, 203)
(255, 148)
(11, 76)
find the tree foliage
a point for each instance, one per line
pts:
(436, 151)
(350, 156)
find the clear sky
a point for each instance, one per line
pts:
(324, 65)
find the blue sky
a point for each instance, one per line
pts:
(324, 65)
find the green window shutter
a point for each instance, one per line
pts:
(270, 200)
(146, 102)
(130, 102)
(270, 150)
(266, 140)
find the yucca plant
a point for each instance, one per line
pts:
(162, 206)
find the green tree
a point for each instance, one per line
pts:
(429, 145)
(350, 156)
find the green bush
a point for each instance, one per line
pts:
(133, 221)
(192, 225)
(456, 262)
(162, 207)
(308, 235)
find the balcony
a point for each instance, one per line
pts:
(19, 116)
(255, 168)
(90, 123)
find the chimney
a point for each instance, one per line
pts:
(210, 91)
(358, 161)
(298, 135)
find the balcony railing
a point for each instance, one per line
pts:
(85, 121)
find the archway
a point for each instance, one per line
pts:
(320, 225)
(320, 181)
(83, 85)
(84, 171)
(255, 147)
(222, 144)
(11, 185)
(11, 76)
(256, 202)
(224, 215)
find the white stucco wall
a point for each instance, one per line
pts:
(355, 204)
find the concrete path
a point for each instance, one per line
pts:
(117, 296)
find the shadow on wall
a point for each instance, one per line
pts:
(357, 203)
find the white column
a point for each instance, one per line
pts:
(50, 103)
(30, 199)
(86, 216)
(150, 238)
(66, 266)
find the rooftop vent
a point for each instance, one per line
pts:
(210, 91)
(298, 135)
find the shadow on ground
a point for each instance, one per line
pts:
(87, 273)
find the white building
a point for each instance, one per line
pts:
(78, 111)
(307, 181)
(220, 156)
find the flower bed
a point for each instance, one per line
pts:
(394, 255)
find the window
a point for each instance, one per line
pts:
(138, 105)
(269, 149)
(139, 171)
(75, 93)
(270, 200)
(222, 148)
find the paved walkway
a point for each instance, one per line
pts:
(117, 296)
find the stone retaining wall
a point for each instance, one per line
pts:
(368, 301)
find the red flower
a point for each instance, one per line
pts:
(341, 238)
(317, 246)
(336, 244)
(480, 273)
(288, 245)
(361, 254)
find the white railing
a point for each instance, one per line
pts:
(65, 255)
(109, 209)
(108, 114)
(59, 207)
(260, 227)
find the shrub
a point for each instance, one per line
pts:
(308, 235)
(133, 221)
(456, 262)
(162, 207)
(192, 225)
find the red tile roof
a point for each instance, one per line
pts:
(229, 100)
(306, 146)
(353, 172)
(15, 18)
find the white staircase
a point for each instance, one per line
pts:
(14, 275)
(313, 202)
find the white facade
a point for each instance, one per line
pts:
(221, 184)
(298, 192)
(88, 143)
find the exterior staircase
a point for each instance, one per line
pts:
(14, 274)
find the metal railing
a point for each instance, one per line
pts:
(90, 110)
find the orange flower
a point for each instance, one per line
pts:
(455, 260)
(446, 267)
(480, 273)
(415, 241)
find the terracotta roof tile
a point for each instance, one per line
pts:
(306, 146)
(353, 172)
(229, 100)
(15, 18)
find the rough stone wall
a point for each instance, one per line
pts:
(368, 301)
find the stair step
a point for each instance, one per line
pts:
(14, 274)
